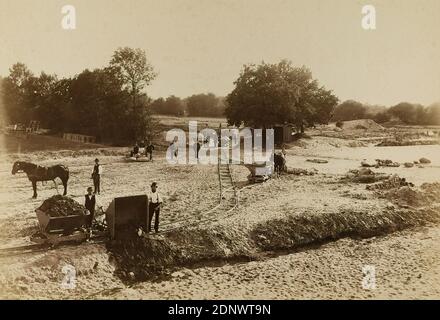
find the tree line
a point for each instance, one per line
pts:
(99, 102)
(197, 105)
(404, 113)
(111, 104)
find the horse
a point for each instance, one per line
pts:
(279, 163)
(39, 173)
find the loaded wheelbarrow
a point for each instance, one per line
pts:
(53, 230)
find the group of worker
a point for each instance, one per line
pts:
(91, 202)
(143, 149)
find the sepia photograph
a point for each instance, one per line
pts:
(219, 150)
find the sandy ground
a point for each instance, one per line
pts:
(406, 263)
(181, 188)
(406, 267)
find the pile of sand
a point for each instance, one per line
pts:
(362, 124)
(156, 256)
(308, 229)
(61, 206)
(428, 194)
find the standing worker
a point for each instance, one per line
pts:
(135, 151)
(90, 203)
(150, 149)
(96, 176)
(155, 201)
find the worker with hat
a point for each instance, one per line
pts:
(91, 202)
(155, 201)
(96, 176)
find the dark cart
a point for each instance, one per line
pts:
(60, 229)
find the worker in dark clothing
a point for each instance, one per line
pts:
(96, 176)
(91, 202)
(198, 148)
(155, 202)
(135, 151)
(149, 151)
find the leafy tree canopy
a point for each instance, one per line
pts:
(270, 94)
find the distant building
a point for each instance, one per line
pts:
(79, 138)
(283, 134)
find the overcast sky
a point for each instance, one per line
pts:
(200, 45)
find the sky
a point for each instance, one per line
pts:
(200, 46)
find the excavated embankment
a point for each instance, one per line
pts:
(155, 256)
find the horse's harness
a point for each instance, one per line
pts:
(39, 172)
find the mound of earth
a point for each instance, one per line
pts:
(362, 124)
(157, 256)
(62, 206)
(408, 196)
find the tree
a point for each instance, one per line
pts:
(205, 105)
(133, 69)
(98, 105)
(322, 107)
(408, 113)
(16, 93)
(350, 110)
(41, 99)
(382, 117)
(3, 116)
(270, 94)
(433, 114)
(171, 106)
(100, 102)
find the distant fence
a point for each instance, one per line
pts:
(79, 138)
